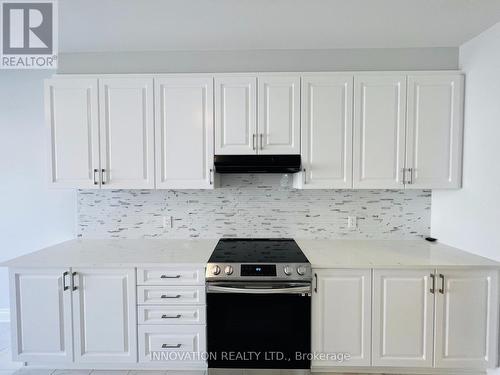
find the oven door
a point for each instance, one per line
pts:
(259, 325)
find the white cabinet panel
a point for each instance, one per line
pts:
(467, 319)
(403, 308)
(41, 315)
(105, 302)
(379, 131)
(172, 315)
(326, 132)
(434, 130)
(341, 316)
(127, 133)
(171, 275)
(184, 133)
(235, 115)
(171, 295)
(279, 114)
(72, 118)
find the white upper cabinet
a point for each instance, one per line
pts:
(341, 316)
(41, 315)
(236, 115)
(326, 128)
(467, 319)
(279, 114)
(184, 132)
(379, 131)
(127, 133)
(72, 117)
(434, 131)
(403, 308)
(104, 301)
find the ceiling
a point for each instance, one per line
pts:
(154, 25)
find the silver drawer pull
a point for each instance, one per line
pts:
(165, 296)
(170, 277)
(167, 346)
(171, 316)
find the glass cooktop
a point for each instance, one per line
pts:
(257, 250)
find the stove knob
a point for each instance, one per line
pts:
(287, 270)
(215, 270)
(301, 270)
(228, 270)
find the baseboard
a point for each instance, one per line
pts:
(4, 316)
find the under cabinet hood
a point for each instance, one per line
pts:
(257, 163)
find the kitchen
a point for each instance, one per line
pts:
(253, 205)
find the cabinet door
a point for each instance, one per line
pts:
(403, 310)
(379, 131)
(341, 316)
(279, 114)
(127, 133)
(235, 115)
(434, 131)
(41, 315)
(184, 133)
(72, 119)
(326, 132)
(467, 319)
(104, 301)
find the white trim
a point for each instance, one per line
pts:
(4, 315)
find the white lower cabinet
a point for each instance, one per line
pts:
(467, 319)
(41, 315)
(341, 316)
(406, 319)
(403, 308)
(104, 315)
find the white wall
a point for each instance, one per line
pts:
(470, 218)
(31, 215)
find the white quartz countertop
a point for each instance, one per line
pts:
(321, 254)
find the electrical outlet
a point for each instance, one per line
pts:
(168, 222)
(352, 222)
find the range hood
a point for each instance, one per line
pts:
(257, 163)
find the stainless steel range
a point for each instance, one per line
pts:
(258, 305)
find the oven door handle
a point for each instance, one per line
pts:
(289, 290)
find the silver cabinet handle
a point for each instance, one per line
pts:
(253, 141)
(65, 287)
(103, 179)
(305, 176)
(433, 286)
(411, 176)
(441, 290)
(170, 277)
(261, 141)
(168, 346)
(210, 177)
(316, 283)
(95, 180)
(74, 287)
(165, 296)
(171, 316)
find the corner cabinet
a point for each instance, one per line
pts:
(56, 310)
(184, 133)
(406, 320)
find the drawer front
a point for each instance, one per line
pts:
(171, 315)
(171, 276)
(168, 343)
(171, 295)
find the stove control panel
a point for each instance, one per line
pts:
(259, 272)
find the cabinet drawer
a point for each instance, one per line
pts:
(171, 295)
(171, 276)
(171, 315)
(171, 342)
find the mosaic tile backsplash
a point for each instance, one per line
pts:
(253, 206)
